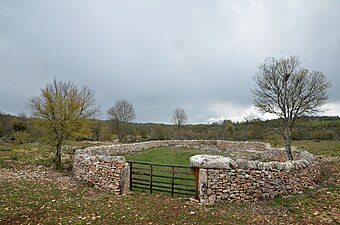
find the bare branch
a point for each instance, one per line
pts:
(288, 90)
(121, 113)
(179, 117)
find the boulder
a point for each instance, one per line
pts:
(289, 165)
(243, 164)
(212, 161)
(109, 158)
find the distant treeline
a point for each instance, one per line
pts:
(22, 129)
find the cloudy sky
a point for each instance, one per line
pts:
(199, 55)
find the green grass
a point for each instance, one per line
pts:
(169, 155)
(12, 155)
(177, 156)
(322, 148)
(304, 199)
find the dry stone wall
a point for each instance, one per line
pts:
(239, 179)
(97, 165)
(104, 171)
(141, 146)
(242, 180)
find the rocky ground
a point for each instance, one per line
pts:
(33, 194)
(62, 180)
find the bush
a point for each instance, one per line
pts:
(21, 137)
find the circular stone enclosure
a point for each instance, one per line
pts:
(254, 171)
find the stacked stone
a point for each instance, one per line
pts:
(242, 145)
(221, 178)
(106, 172)
(141, 146)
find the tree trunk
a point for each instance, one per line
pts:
(288, 142)
(57, 158)
(120, 131)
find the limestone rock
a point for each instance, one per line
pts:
(212, 161)
(289, 165)
(109, 158)
(242, 163)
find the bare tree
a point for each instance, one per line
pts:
(62, 108)
(179, 117)
(289, 91)
(121, 113)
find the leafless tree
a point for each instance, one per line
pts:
(121, 113)
(284, 88)
(62, 108)
(179, 117)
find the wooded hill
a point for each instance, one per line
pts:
(22, 129)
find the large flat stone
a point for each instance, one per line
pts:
(109, 158)
(212, 161)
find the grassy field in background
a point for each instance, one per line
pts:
(321, 148)
(32, 192)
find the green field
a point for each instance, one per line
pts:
(322, 148)
(32, 192)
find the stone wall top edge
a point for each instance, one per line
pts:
(220, 162)
(170, 142)
(295, 166)
(183, 141)
(307, 157)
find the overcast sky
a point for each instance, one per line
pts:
(199, 55)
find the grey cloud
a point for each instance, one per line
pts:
(160, 55)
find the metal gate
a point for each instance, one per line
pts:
(154, 177)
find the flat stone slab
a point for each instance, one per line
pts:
(109, 158)
(212, 161)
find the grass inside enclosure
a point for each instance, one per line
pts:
(177, 156)
(170, 155)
